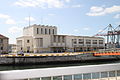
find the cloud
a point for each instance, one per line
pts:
(41, 3)
(4, 16)
(67, 0)
(51, 14)
(10, 21)
(100, 11)
(7, 19)
(31, 18)
(76, 30)
(76, 6)
(13, 30)
(86, 29)
(117, 16)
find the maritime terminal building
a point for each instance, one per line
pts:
(44, 38)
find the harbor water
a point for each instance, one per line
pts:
(39, 66)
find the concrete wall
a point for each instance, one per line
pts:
(45, 59)
(28, 31)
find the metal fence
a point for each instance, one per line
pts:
(88, 72)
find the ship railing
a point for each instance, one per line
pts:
(88, 72)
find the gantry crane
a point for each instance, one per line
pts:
(112, 36)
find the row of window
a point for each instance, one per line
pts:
(81, 41)
(59, 39)
(45, 31)
(85, 76)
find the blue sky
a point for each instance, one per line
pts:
(73, 17)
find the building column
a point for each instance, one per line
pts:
(36, 44)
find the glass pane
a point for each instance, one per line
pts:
(112, 74)
(95, 75)
(78, 77)
(87, 76)
(46, 78)
(57, 78)
(118, 73)
(34, 79)
(104, 75)
(68, 77)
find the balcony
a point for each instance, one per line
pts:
(57, 45)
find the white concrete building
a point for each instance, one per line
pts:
(40, 38)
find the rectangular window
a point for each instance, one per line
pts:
(68, 77)
(28, 41)
(104, 75)
(53, 31)
(112, 74)
(94, 41)
(34, 79)
(41, 30)
(87, 76)
(63, 39)
(78, 77)
(37, 30)
(45, 31)
(57, 78)
(1, 48)
(74, 41)
(95, 75)
(1, 40)
(88, 41)
(100, 41)
(118, 73)
(81, 41)
(46, 78)
(49, 31)
(54, 38)
(58, 38)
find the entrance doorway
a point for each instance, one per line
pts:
(28, 49)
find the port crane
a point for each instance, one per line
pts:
(112, 36)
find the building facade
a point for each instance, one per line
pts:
(41, 38)
(12, 48)
(3, 44)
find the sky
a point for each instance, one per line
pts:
(72, 17)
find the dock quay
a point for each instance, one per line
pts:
(51, 58)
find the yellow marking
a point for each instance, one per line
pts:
(52, 55)
(35, 55)
(27, 55)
